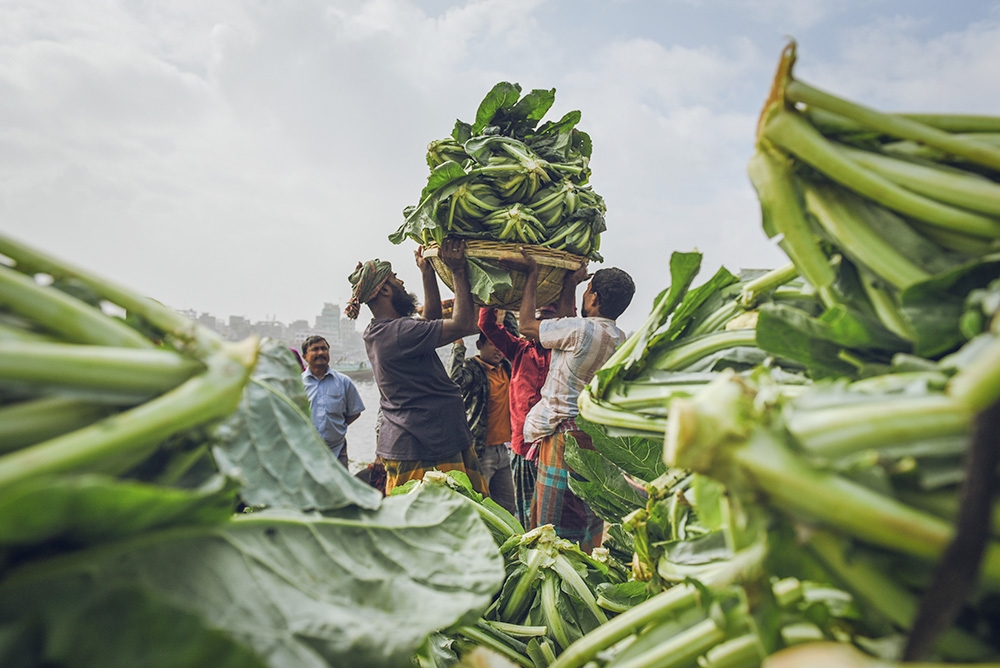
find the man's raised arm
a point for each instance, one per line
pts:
(432, 294)
(526, 320)
(463, 321)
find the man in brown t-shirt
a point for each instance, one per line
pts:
(423, 422)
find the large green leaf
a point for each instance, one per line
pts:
(486, 277)
(534, 105)
(601, 484)
(501, 97)
(683, 269)
(89, 508)
(277, 367)
(271, 444)
(934, 307)
(554, 141)
(422, 217)
(640, 458)
(853, 329)
(686, 310)
(792, 334)
(119, 627)
(444, 174)
(362, 588)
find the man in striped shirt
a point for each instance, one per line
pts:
(580, 346)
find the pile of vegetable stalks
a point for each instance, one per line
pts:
(505, 178)
(165, 499)
(553, 593)
(834, 401)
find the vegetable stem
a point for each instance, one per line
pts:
(742, 564)
(896, 126)
(519, 597)
(855, 427)
(897, 604)
(680, 650)
(565, 569)
(771, 175)
(885, 307)
(792, 133)
(549, 593)
(946, 185)
(130, 370)
(29, 422)
(203, 341)
(769, 281)
(858, 239)
(72, 320)
(601, 413)
(690, 351)
(714, 434)
(118, 442)
(518, 630)
(486, 640)
(978, 385)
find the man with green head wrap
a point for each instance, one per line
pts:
(423, 424)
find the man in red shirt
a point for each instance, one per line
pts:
(529, 366)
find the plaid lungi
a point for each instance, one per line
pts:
(525, 473)
(554, 503)
(399, 471)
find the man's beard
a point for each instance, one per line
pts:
(404, 303)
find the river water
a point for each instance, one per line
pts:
(361, 434)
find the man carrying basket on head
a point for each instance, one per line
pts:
(423, 415)
(580, 346)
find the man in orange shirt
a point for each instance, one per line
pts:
(485, 384)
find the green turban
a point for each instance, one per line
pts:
(367, 279)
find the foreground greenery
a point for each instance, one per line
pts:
(130, 446)
(805, 437)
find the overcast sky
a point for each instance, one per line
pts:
(240, 157)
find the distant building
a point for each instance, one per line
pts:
(350, 338)
(239, 328)
(346, 344)
(328, 324)
(210, 321)
(272, 329)
(297, 332)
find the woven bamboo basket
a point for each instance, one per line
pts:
(553, 265)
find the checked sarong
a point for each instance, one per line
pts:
(554, 503)
(398, 471)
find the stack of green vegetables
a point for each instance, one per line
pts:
(552, 596)
(127, 446)
(506, 178)
(893, 219)
(814, 421)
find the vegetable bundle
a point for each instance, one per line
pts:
(845, 402)
(505, 178)
(892, 218)
(127, 445)
(551, 597)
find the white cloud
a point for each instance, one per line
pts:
(891, 64)
(240, 157)
(672, 136)
(787, 15)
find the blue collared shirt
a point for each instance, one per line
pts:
(332, 399)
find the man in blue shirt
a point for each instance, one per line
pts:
(333, 399)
